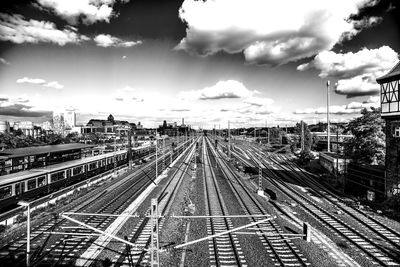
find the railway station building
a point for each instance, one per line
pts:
(390, 112)
(19, 159)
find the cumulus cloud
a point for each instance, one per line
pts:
(348, 65)
(106, 40)
(357, 72)
(52, 84)
(269, 32)
(3, 61)
(89, 11)
(221, 90)
(362, 85)
(16, 29)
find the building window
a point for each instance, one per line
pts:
(396, 132)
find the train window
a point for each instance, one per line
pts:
(31, 184)
(77, 170)
(5, 192)
(41, 181)
(92, 166)
(57, 176)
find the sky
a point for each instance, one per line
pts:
(250, 62)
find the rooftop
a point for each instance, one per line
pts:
(393, 74)
(36, 150)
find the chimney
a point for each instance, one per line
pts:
(183, 121)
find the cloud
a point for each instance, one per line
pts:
(180, 110)
(357, 72)
(269, 32)
(89, 11)
(3, 61)
(221, 90)
(20, 110)
(30, 80)
(106, 40)
(362, 85)
(127, 93)
(17, 30)
(372, 99)
(351, 108)
(52, 84)
(348, 65)
(258, 101)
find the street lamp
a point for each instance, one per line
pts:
(28, 230)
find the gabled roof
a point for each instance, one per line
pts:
(393, 74)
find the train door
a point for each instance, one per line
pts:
(19, 189)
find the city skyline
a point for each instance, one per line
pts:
(249, 62)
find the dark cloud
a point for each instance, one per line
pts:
(180, 110)
(20, 110)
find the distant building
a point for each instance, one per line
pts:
(109, 127)
(58, 123)
(390, 105)
(172, 129)
(4, 127)
(46, 125)
(69, 119)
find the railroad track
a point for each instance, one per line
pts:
(51, 249)
(283, 252)
(141, 234)
(223, 250)
(368, 223)
(367, 245)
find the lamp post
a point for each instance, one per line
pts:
(28, 230)
(327, 116)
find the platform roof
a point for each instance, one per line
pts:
(37, 150)
(393, 74)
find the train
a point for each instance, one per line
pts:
(38, 182)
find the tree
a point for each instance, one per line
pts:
(295, 142)
(368, 144)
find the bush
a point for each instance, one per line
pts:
(393, 202)
(305, 157)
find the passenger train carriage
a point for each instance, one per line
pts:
(37, 182)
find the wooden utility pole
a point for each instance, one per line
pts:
(229, 139)
(302, 136)
(327, 116)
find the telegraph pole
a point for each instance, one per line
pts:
(229, 140)
(327, 116)
(302, 136)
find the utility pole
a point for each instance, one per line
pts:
(302, 136)
(327, 116)
(156, 158)
(337, 149)
(229, 140)
(129, 149)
